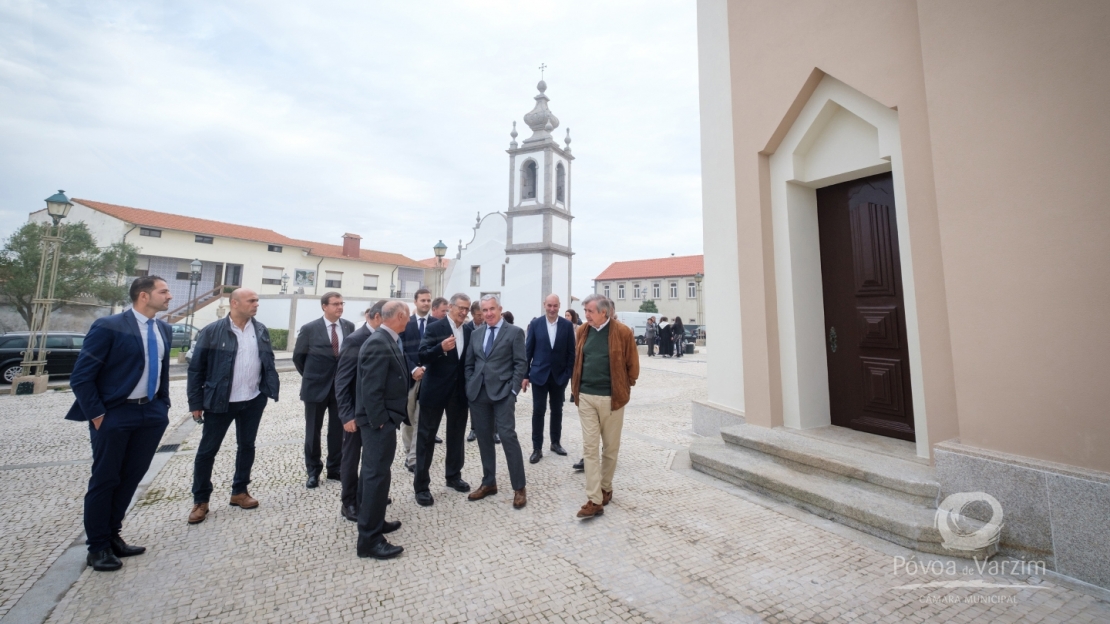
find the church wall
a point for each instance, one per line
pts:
(527, 229)
(524, 299)
(560, 231)
(560, 278)
(486, 250)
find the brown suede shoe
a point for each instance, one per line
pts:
(519, 498)
(482, 492)
(199, 513)
(589, 510)
(244, 501)
(606, 497)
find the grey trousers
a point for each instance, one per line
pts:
(486, 417)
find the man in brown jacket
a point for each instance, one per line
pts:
(606, 365)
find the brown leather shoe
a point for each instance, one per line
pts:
(519, 498)
(244, 501)
(482, 492)
(606, 497)
(589, 510)
(199, 513)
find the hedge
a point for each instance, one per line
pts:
(279, 339)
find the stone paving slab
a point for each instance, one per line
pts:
(669, 548)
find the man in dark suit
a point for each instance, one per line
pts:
(443, 389)
(550, 352)
(474, 323)
(413, 334)
(346, 375)
(381, 403)
(316, 355)
(495, 369)
(121, 386)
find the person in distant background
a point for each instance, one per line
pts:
(649, 336)
(572, 316)
(679, 334)
(440, 306)
(508, 316)
(666, 346)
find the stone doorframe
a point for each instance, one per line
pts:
(839, 135)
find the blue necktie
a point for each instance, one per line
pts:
(489, 343)
(151, 360)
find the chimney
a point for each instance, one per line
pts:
(351, 245)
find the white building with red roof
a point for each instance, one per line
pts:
(673, 283)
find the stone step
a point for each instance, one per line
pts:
(885, 471)
(836, 498)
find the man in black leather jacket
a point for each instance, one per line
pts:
(231, 375)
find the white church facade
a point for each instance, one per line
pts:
(524, 253)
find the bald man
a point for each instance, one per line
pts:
(231, 375)
(550, 353)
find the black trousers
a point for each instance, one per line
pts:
(314, 425)
(541, 395)
(378, 448)
(348, 468)
(246, 415)
(455, 440)
(497, 416)
(122, 449)
(651, 347)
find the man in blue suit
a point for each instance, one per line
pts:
(121, 383)
(550, 353)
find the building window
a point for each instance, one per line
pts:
(142, 267)
(691, 290)
(369, 282)
(527, 180)
(502, 274)
(606, 291)
(475, 276)
(620, 291)
(233, 275)
(207, 240)
(674, 290)
(333, 279)
(271, 275)
(274, 248)
(635, 291)
(184, 269)
(150, 232)
(560, 183)
(655, 290)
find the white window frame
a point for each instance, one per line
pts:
(476, 275)
(655, 290)
(674, 290)
(333, 283)
(605, 290)
(273, 281)
(620, 291)
(691, 290)
(366, 281)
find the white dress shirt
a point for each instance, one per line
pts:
(552, 329)
(460, 342)
(338, 329)
(140, 388)
(247, 371)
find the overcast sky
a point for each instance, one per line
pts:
(386, 119)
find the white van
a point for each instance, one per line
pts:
(637, 321)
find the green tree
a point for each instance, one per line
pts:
(83, 268)
(648, 305)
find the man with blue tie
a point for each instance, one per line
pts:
(550, 353)
(411, 337)
(121, 386)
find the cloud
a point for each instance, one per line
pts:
(386, 119)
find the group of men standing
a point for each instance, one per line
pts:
(398, 370)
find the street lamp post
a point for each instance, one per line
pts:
(440, 250)
(194, 279)
(697, 280)
(34, 375)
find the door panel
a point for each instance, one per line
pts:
(869, 376)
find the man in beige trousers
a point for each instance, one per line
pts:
(606, 365)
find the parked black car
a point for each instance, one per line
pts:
(181, 334)
(62, 349)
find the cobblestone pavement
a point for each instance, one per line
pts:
(671, 547)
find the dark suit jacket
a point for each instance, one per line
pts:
(213, 365)
(411, 339)
(443, 377)
(314, 359)
(505, 368)
(111, 362)
(382, 392)
(346, 372)
(545, 362)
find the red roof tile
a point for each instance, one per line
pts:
(431, 262)
(165, 220)
(673, 266)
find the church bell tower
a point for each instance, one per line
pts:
(538, 241)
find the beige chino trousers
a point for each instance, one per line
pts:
(408, 433)
(601, 426)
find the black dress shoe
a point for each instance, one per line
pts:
(121, 549)
(411, 468)
(580, 466)
(471, 436)
(536, 456)
(389, 527)
(333, 476)
(104, 561)
(496, 439)
(381, 550)
(458, 485)
(424, 499)
(349, 512)
(439, 440)
(313, 481)
(558, 450)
